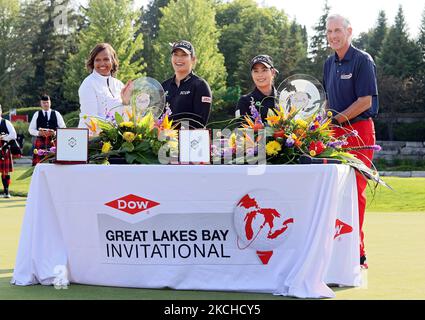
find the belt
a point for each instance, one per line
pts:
(354, 120)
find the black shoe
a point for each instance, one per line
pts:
(363, 263)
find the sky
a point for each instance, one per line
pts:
(363, 14)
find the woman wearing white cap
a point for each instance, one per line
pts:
(188, 96)
(101, 93)
(264, 94)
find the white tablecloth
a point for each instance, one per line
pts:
(185, 227)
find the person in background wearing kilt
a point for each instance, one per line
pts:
(43, 126)
(7, 133)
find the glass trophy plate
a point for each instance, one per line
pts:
(304, 93)
(147, 96)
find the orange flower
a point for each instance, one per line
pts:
(92, 125)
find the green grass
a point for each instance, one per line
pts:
(394, 241)
(19, 187)
(408, 196)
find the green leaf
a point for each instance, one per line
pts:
(130, 157)
(105, 126)
(127, 147)
(28, 173)
(118, 118)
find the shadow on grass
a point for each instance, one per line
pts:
(84, 292)
(4, 271)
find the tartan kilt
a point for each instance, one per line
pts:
(43, 143)
(6, 162)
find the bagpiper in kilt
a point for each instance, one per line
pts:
(6, 162)
(41, 142)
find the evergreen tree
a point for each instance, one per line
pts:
(9, 11)
(294, 51)
(320, 49)
(258, 42)
(399, 55)
(45, 37)
(378, 35)
(363, 40)
(420, 80)
(235, 20)
(111, 21)
(149, 27)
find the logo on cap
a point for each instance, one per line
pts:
(184, 45)
(264, 59)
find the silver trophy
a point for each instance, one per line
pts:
(147, 96)
(304, 93)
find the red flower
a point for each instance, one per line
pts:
(318, 147)
(258, 125)
(279, 134)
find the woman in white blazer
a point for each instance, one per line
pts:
(101, 93)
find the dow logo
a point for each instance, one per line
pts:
(132, 204)
(342, 228)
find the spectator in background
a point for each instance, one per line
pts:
(7, 133)
(43, 127)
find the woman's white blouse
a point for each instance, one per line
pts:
(98, 96)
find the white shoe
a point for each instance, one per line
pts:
(7, 195)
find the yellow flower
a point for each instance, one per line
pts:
(313, 153)
(272, 120)
(325, 125)
(329, 114)
(106, 147)
(139, 136)
(301, 123)
(35, 151)
(273, 148)
(129, 136)
(127, 124)
(147, 121)
(166, 124)
(232, 141)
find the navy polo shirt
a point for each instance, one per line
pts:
(262, 103)
(348, 79)
(191, 100)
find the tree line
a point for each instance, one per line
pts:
(44, 45)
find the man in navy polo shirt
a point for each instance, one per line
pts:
(189, 96)
(352, 96)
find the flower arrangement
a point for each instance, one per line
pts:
(289, 137)
(130, 138)
(48, 154)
